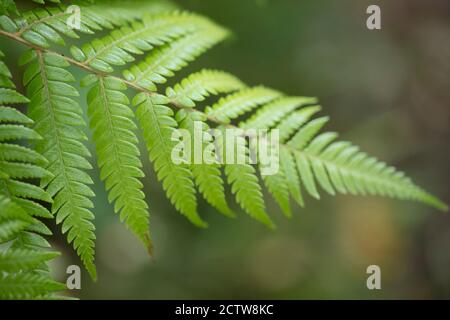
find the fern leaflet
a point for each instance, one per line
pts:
(59, 121)
(23, 254)
(118, 155)
(158, 126)
(137, 38)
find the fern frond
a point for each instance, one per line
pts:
(13, 127)
(158, 126)
(280, 184)
(276, 182)
(234, 105)
(295, 120)
(8, 114)
(16, 132)
(20, 162)
(13, 219)
(9, 96)
(17, 170)
(23, 253)
(23, 272)
(5, 74)
(277, 185)
(196, 87)
(27, 286)
(207, 176)
(154, 30)
(20, 260)
(199, 85)
(13, 152)
(300, 139)
(307, 159)
(237, 104)
(43, 26)
(341, 167)
(307, 132)
(111, 120)
(242, 178)
(289, 169)
(58, 119)
(270, 114)
(162, 62)
(245, 186)
(336, 167)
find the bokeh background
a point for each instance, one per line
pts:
(387, 91)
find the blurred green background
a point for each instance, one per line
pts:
(387, 91)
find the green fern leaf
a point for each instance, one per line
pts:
(271, 113)
(137, 38)
(278, 187)
(337, 166)
(13, 219)
(279, 184)
(162, 62)
(199, 85)
(234, 105)
(276, 182)
(23, 272)
(19, 260)
(27, 286)
(207, 176)
(196, 87)
(244, 184)
(8, 114)
(23, 257)
(59, 121)
(295, 120)
(15, 132)
(43, 26)
(19, 162)
(300, 139)
(242, 178)
(10, 185)
(307, 132)
(9, 96)
(158, 125)
(289, 168)
(118, 155)
(342, 167)
(13, 152)
(287, 127)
